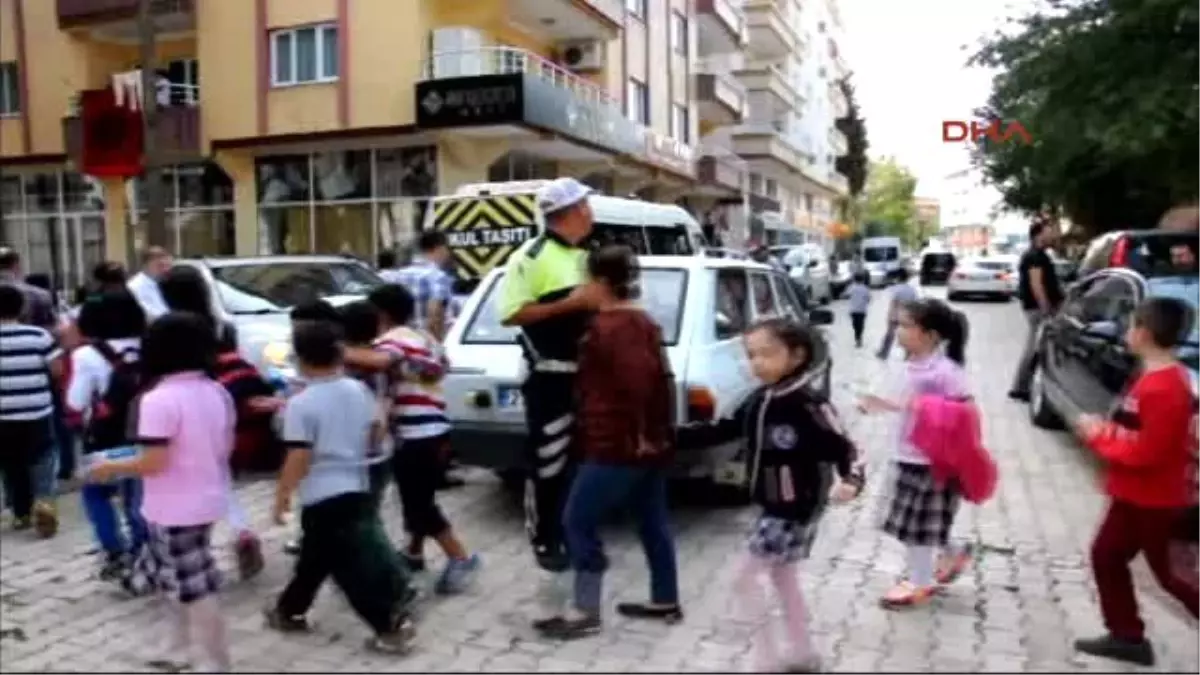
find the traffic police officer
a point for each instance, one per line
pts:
(545, 294)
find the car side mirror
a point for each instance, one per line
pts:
(820, 317)
(725, 327)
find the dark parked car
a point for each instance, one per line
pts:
(1144, 251)
(936, 267)
(1083, 364)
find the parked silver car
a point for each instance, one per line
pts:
(256, 294)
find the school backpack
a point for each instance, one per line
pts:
(111, 423)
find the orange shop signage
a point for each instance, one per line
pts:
(996, 131)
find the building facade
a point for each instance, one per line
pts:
(327, 125)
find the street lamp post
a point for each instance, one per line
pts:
(156, 227)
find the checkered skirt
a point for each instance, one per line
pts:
(177, 562)
(920, 512)
(782, 541)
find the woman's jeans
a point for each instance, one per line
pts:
(598, 490)
(98, 502)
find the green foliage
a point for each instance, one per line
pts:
(854, 164)
(1108, 90)
(888, 205)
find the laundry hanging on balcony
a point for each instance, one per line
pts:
(112, 135)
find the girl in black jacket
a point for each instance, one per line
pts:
(795, 444)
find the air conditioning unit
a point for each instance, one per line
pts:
(583, 55)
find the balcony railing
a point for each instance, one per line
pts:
(614, 10)
(81, 12)
(167, 95)
(509, 61)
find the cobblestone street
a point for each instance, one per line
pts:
(1028, 596)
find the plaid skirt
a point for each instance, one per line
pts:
(921, 512)
(781, 541)
(177, 562)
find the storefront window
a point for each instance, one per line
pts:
(55, 221)
(343, 202)
(198, 199)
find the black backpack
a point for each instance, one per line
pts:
(111, 423)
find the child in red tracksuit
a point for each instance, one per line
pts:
(1149, 463)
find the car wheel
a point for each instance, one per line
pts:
(1041, 412)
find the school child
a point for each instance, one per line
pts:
(185, 425)
(623, 397)
(922, 509)
(183, 289)
(1150, 480)
(329, 428)
(797, 446)
(360, 326)
(421, 429)
(105, 380)
(859, 296)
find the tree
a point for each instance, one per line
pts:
(888, 205)
(1107, 89)
(853, 165)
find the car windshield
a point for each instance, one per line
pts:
(269, 287)
(1185, 289)
(881, 254)
(662, 296)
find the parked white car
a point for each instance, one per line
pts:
(808, 265)
(702, 304)
(993, 277)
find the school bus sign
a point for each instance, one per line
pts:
(996, 131)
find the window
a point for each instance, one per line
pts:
(789, 303)
(680, 122)
(679, 33)
(304, 55)
(10, 90)
(808, 203)
(274, 287)
(772, 188)
(756, 181)
(732, 314)
(637, 102)
(663, 291)
(636, 8)
(764, 299)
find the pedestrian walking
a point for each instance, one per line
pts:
(903, 293)
(183, 289)
(156, 261)
(329, 429)
(1150, 464)
(1040, 293)
(105, 382)
(422, 433)
(185, 425)
(921, 508)
(39, 306)
(623, 393)
(30, 367)
(859, 295)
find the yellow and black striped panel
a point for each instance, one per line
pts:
(484, 231)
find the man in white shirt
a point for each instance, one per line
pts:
(144, 285)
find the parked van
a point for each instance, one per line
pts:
(881, 258)
(486, 222)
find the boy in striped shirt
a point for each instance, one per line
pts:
(417, 365)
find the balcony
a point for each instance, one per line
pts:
(552, 112)
(565, 20)
(721, 97)
(768, 30)
(719, 171)
(722, 27)
(768, 82)
(120, 16)
(177, 132)
(767, 148)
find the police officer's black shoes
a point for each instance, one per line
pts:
(642, 610)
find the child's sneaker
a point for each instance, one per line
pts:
(397, 643)
(45, 519)
(457, 575)
(285, 624)
(952, 563)
(809, 664)
(906, 594)
(249, 555)
(115, 567)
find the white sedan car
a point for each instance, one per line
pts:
(989, 277)
(702, 305)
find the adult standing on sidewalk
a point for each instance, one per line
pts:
(156, 262)
(1041, 294)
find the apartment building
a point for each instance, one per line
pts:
(326, 125)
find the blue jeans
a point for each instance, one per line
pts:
(598, 490)
(98, 502)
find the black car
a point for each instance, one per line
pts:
(936, 267)
(1083, 365)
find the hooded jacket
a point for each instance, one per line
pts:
(794, 443)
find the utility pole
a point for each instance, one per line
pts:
(156, 216)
